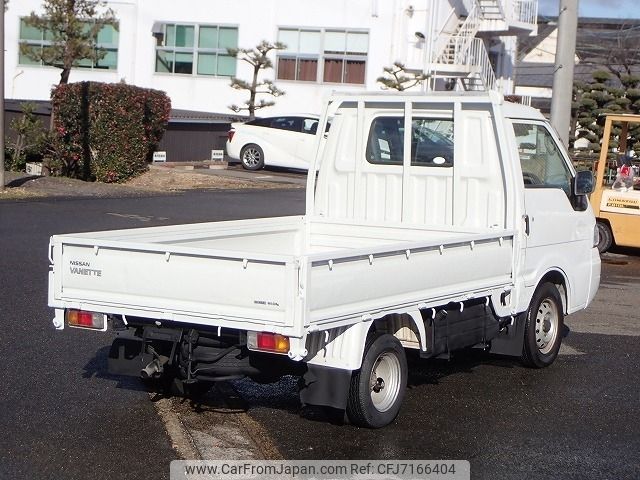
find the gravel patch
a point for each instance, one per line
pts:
(158, 180)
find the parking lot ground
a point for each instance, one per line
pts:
(576, 419)
(64, 417)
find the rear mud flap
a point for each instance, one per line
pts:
(510, 340)
(324, 386)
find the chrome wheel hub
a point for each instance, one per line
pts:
(251, 157)
(546, 325)
(385, 381)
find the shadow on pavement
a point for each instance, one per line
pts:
(18, 182)
(97, 367)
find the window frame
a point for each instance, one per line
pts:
(195, 50)
(45, 42)
(322, 57)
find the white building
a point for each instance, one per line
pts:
(180, 47)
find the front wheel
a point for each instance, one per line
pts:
(252, 157)
(605, 237)
(543, 329)
(377, 389)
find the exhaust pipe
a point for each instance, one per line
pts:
(155, 368)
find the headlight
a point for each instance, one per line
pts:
(596, 235)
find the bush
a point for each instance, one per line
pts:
(107, 132)
(28, 140)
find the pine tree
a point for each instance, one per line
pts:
(30, 137)
(71, 27)
(397, 78)
(259, 60)
(606, 93)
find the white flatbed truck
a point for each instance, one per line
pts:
(436, 222)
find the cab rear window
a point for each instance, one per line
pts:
(431, 142)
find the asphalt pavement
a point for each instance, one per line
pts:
(61, 415)
(577, 419)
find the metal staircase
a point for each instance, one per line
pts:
(461, 38)
(464, 57)
(458, 53)
(491, 9)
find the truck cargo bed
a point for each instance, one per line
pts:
(276, 274)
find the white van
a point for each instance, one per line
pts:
(284, 141)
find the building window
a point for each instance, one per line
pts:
(38, 40)
(299, 60)
(345, 56)
(331, 56)
(197, 50)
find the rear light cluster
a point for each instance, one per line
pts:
(230, 134)
(267, 342)
(82, 319)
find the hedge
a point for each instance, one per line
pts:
(106, 131)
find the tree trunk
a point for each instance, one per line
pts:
(17, 153)
(252, 97)
(64, 76)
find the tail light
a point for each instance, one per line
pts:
(90, 320)
(230, 135)
(267, 342)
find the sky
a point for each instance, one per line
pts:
(596, 8)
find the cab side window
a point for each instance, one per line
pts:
(542, 162)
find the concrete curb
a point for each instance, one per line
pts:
(215, 428)
(263, 176)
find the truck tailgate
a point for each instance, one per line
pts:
(226, 271)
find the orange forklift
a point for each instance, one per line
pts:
(616, 198)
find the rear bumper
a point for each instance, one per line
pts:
(233, 150)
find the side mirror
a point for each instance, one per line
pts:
(583, 183)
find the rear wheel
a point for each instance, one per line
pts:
(605, 237)
(378, 388)
(252, 157)
(543, 330)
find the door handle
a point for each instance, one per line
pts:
(526, 224)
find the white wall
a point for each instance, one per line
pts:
(257, 20)
(390, 32)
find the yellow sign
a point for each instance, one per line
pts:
(621, 202)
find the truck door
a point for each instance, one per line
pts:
(559, 230)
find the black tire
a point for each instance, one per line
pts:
(378, 388)
(605, 237)
(544, 327)
(252, 157)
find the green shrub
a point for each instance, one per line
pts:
(107, 132)
(28, 139)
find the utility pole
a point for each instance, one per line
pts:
(2, 95)
(563, 71)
